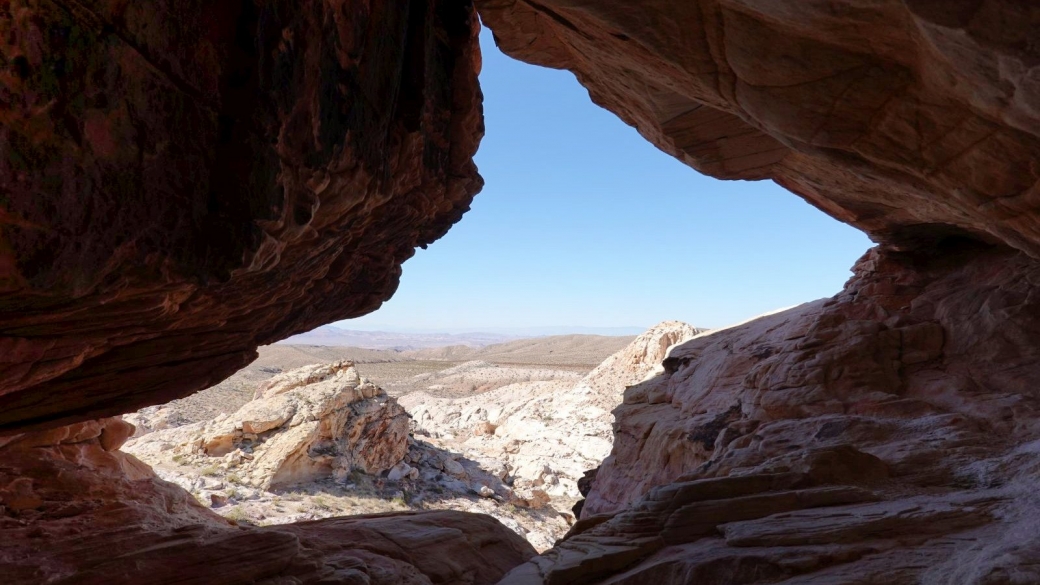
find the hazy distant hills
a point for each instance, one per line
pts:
(330, 335)
(333, 336)
(588, 350)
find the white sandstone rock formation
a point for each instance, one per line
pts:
(546, 433)
(308, 423)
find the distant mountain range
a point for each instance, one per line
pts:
(334, 336)
(331, 335)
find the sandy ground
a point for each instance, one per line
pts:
(558, 357)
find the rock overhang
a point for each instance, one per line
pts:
(186, 182)
(183, 182)
(902, 118)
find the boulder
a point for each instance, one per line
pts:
(402, 471)
(316, 421)
(74, 511)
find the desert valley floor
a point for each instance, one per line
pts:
(506, 429)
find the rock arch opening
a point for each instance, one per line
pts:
(885, 432)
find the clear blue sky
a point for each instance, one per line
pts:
(583, 223)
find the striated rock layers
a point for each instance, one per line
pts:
(77, 510)
(312, 422)
(910, 119)
(887, 435)
(181, 182)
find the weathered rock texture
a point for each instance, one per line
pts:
(312, 422)
(544, 434)
(605, 385)
(74, 509)
(909, 119)
(183, 181)
(887, 435)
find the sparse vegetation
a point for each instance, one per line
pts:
(237, 514)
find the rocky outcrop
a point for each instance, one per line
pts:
(74, 509)
(184, 181)
(319, 441)
(604, 386)
(909, 119)
(316, 421)
(545, 434)
(886, 435)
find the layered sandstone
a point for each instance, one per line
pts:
(910, 119)
(74, 509)
(886, 435)
(184, 181)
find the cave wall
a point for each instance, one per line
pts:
(182, 181)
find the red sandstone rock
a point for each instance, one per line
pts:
(909, 119)
(751, 459)
(183, 181)
(73, 510)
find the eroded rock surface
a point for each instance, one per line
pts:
(544, 434)
(320, 441)
(75, 509)
(886, 435)
(181, 182)
(317, 421)
(909, 119)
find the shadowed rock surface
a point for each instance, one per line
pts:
(75, 509)
(184, 181)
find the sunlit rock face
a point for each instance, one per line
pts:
(313, 422)
(182, 181)
(909, 119)
(75, 509)
(887, 435)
